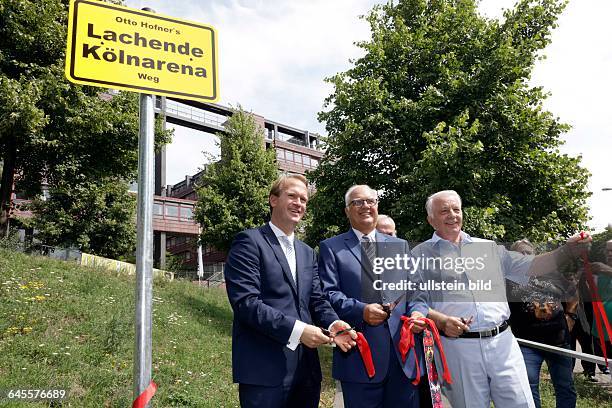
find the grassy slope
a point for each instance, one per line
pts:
(65, 326)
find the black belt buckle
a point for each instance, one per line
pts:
(483, 334)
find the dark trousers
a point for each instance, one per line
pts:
(586, 344)
(560, 369)
(424, 393)
(301, 395)
(396, 390)
(599, 351)
(300, 389)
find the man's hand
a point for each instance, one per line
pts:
(578, 243)
(313, 337)
(419, 325)
(346, 340)
(374, 314)
(599, 268)
(453, 326)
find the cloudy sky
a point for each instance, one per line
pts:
(274, 55)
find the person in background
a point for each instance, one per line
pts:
(386, 225)
(540, 315)
(604, 287)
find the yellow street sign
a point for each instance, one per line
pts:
(123, 48)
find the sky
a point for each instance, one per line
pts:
(275, 54)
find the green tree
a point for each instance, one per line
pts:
(441, 100)
(233, 192)
(599, 247)
(53, 131)
(98, 217)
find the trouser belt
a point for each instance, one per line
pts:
(484, 333)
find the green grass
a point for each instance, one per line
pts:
(589, 394)
(71, 327)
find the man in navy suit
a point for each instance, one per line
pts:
(345, 268)
(275, 293)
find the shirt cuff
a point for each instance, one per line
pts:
(421, 308)
(296, 333)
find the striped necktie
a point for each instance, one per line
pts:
(369, 247)
(290, 254)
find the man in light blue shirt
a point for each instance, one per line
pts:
(464, 278)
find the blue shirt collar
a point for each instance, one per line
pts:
(465, 238)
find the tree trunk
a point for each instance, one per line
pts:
(6, 187)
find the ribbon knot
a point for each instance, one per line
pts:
(407, 343)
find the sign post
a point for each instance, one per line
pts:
(118, 47)
(144, 247)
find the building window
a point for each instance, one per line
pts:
(158, 209)
(186, 213)
(172, 210)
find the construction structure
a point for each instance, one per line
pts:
(175, 231)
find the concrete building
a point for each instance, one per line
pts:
(175, 232)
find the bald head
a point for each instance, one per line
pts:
(386, 225)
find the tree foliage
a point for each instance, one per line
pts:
(233, 192)
(441, 100)
(96, 217)
(599, 246)
(53, 131)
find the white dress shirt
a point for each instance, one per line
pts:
(298, 327)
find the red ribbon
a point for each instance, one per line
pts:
(366, 354)
(601, 318)
(144, 398)
(407, 342)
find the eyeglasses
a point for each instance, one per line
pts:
(360, 202)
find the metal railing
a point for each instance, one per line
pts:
(190, 112)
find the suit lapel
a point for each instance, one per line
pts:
(280, 255)
(352, 243)
(301, 260)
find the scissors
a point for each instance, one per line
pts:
(468, 321)
(388, 308)
(339, 332)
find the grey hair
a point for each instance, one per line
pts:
(382, 217)
(431, 198)
(352, 188)
(521, 245)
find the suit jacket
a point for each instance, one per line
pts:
(341, 269)
(267, 302)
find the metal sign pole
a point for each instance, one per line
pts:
(144, 247)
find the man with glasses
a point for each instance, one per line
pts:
(345, 267)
